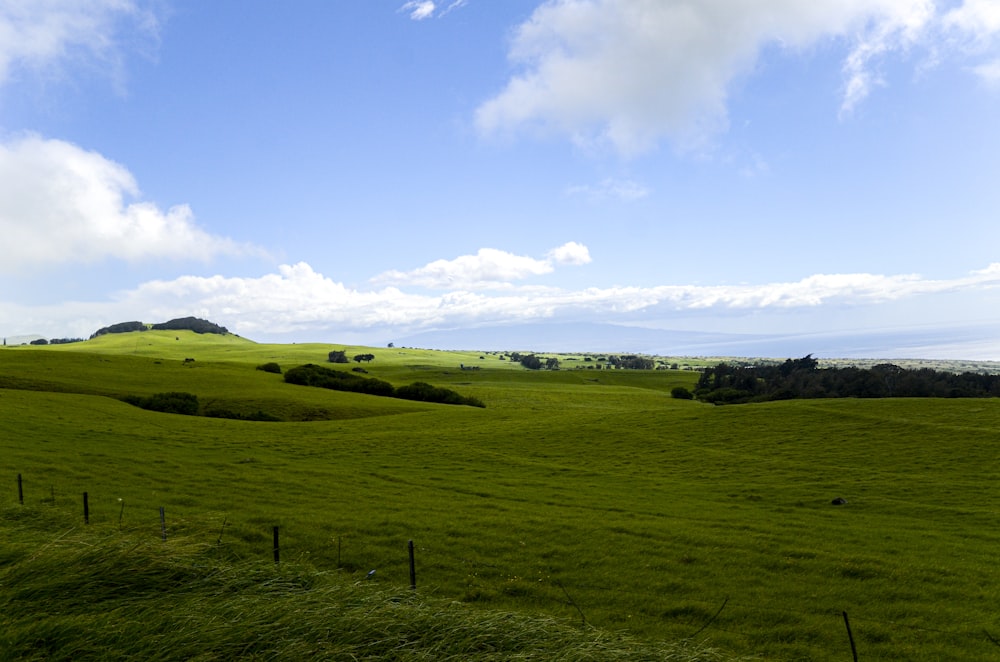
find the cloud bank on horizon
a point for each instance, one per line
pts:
(619, 77)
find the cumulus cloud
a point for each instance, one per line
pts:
(488, 268)
(570, 253)
(629, 73)
(47, 33)
(297, 300)
(61, 204)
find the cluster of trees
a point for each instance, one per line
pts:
(340, 356)
(802, 378)
(337, 380)
(191, 324)
(120, 327)
(534, 362)
(632, 362)
(626, 361)
(180, 324)
(54, 341)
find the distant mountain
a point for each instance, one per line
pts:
(566, 337)
(20, 340)
(927, 342)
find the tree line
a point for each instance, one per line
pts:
(803, 378)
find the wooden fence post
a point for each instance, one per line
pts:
(86, 509)
(20, 491)
(413, 568)
(277, 556)
(163, 524)
(854, 651)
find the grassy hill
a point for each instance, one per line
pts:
(588, 497)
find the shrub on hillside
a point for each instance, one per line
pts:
(424, 392)
(174, 402)
(337, 380)
(259, 415)
(270, 367)
(315, 375)
(681, 393)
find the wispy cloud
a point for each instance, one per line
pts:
(61, 204)
(419, 9)
(424, 9)
(624, 190)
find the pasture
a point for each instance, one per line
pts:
(587, 496)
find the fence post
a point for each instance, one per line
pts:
(20, 491)
(86, 509)
(163, 524)
(413, 568)
(854, 651)
(277, 557)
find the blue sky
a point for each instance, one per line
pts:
(365, 171)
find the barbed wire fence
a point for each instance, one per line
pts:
(557, 591)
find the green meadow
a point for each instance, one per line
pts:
(584, 513)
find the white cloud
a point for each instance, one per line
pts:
(614, 189)
(631, 72)
(38, 34)
(989, 72)
(297, 301)
(60, 204)
(456, 4)
(570, 253)
(419, 9)
(976, 26)
(488, 268)
(979, 18)
(422, 9)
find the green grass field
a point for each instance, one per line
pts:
(583, 496)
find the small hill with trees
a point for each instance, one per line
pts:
(195, 324)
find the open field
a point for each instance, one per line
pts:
(576, 494)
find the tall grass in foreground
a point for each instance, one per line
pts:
(71, 592)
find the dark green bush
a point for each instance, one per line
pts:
(174, 402)
(270, 367)
(424, 392)
(337, 380)
(259, 415)
(315, 375)
(681, 393)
